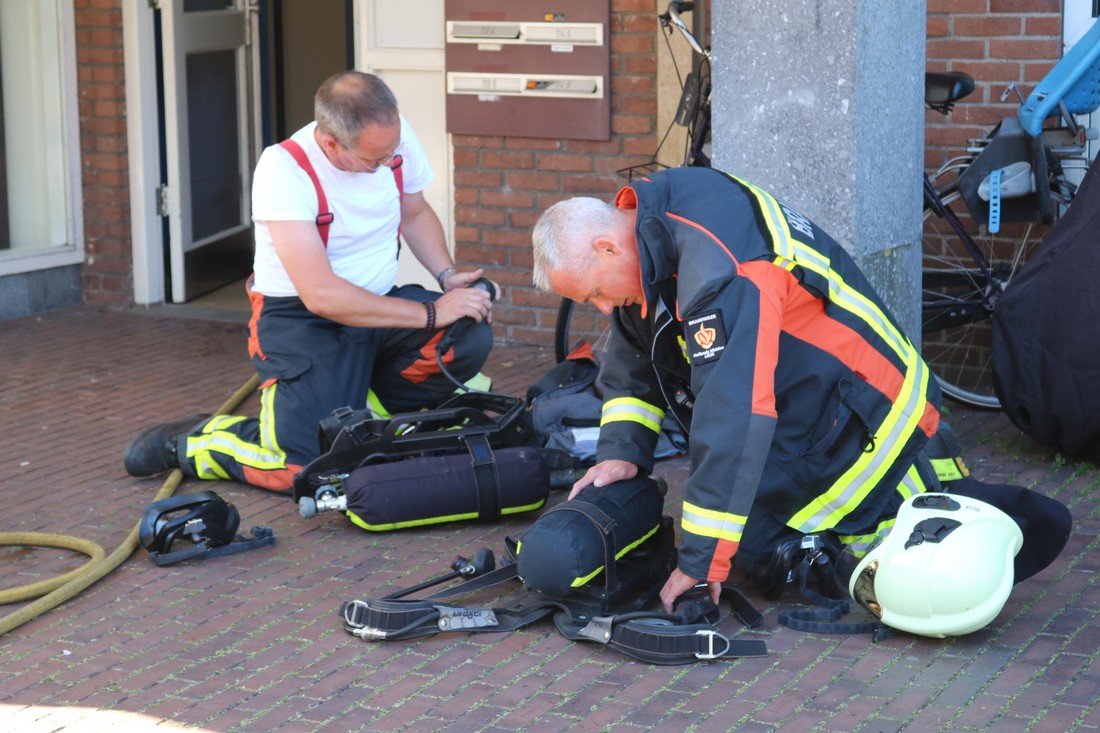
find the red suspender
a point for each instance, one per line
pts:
(324, 216)
(398, 176)
(399, 179)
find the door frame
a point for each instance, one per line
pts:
(426, 59)
(143, 143)
(147, 226)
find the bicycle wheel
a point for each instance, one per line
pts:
(576, 323)
(957, 298)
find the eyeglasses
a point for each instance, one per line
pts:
(393, 160)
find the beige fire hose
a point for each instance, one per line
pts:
(63, 587)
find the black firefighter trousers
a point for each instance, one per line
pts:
(308, 367)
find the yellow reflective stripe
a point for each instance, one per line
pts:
(375, 405)
(711, 523)
(826, 510)
(949, 469)
(221, 422)
(578, 582)
(912, 484)
(268, 438)
(859, 544)
(840, 293)
(207, 468)
(480, 382)
(240, 451)
(632, 410)
(773, 219)
(359, 521)
(785, 263)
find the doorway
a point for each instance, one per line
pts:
(234, 76)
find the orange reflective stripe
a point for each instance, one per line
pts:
(425, 365)
(770, 281)
(719, 569)
(257, 301)
(930, 420)
(280, 479)
(806, 320)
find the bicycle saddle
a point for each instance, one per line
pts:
(946, 87)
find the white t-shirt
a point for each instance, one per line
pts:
(362, 240)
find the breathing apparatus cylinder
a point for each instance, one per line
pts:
(565, 548)
(481, 485)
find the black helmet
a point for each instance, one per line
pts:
(203, 518)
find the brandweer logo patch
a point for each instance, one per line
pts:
(706, 337)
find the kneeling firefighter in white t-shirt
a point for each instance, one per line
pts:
(329, 326)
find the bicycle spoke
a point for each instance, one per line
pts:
(958, 299)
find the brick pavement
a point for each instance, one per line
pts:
(251, 642)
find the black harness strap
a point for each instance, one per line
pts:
(824, 619)
(686, 636)
(486, 478)
(660, 638)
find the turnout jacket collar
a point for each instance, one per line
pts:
(657, 254)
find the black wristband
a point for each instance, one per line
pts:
(429, 306)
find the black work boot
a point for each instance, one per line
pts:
(153, 450)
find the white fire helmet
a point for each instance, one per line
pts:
(945, 569)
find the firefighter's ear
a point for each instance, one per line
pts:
(606, 245)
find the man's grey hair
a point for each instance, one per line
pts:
(563, 234)
(351, 100)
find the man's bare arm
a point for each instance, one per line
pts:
(324, 293)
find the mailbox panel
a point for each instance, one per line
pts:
(529, 68)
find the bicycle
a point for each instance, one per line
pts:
(692, 112)
(981, 210)
(965, 265)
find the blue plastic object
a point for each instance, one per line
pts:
(995, 201)
(1075, 80)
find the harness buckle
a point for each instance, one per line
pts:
(598, 629)
(354, 613)
(710, 653)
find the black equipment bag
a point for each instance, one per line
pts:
(1046, 355)
(564, 549)
(468, 459)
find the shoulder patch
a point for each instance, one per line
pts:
(706, 337)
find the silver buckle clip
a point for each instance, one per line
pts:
(710, 653)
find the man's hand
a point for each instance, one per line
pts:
(678, 583)
(464, 280)
(604, 473)
(463, 302)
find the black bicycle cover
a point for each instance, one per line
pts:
(1046, 348)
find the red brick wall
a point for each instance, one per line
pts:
(996, 42)
(108, 268)
(502, 184)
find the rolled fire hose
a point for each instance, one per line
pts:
(63, 587)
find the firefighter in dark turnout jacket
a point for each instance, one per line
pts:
(806, 405)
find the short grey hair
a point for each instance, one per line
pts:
(562, 234)
(349, 101)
